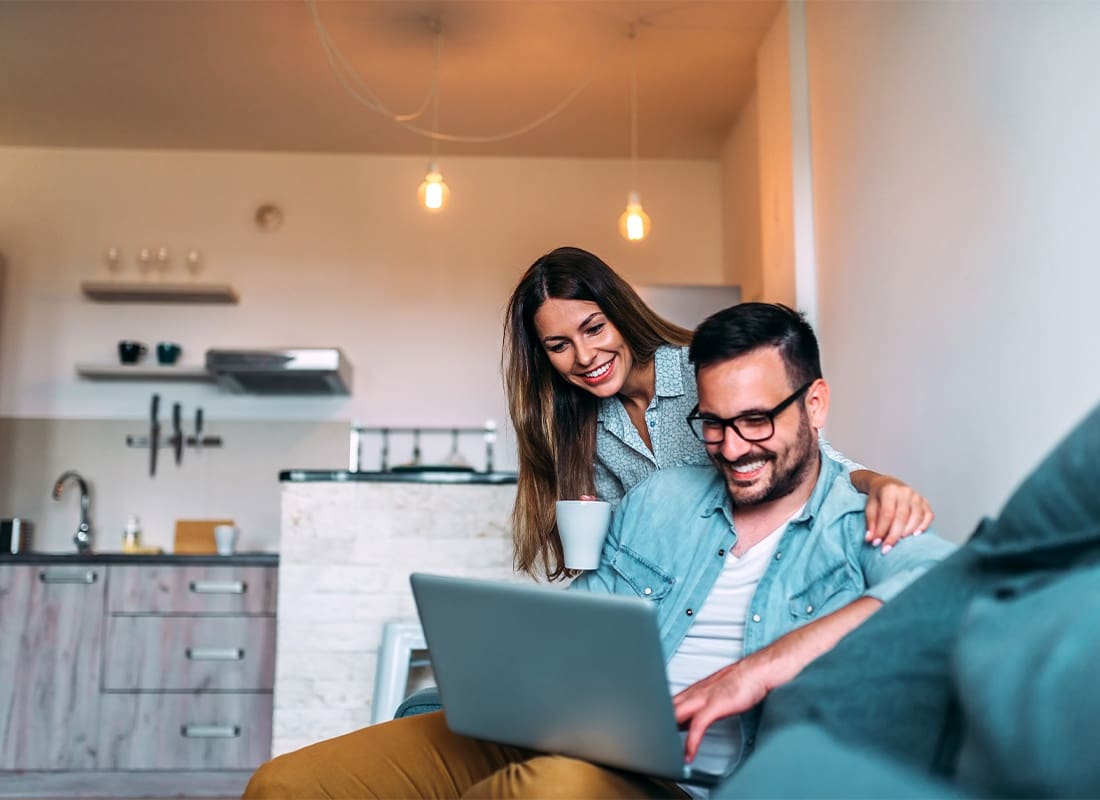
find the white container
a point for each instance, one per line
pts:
(225, 537)
(131, 534)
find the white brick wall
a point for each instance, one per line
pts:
(346, 553)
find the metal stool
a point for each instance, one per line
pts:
(391, 679)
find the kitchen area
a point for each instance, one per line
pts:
(413, 302)
(149, 665)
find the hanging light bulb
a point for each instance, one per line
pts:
(634, 222)
(433, 192)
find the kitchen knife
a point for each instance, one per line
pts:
(177, 433)
(154, 435)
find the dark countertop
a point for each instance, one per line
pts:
(237, 559)
(408, 476)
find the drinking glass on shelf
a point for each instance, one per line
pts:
(164, 256)
(145, 261)
(112, 256)
(193, 260)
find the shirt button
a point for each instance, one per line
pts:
(809, 609)
(778, 556)
(647, 590)
(755, 617)
(690, 612)
(721, 552)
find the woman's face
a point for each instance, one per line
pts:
(583, 346)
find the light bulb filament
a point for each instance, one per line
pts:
(433, 191)
(634, 222)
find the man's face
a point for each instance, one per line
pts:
(761, 472)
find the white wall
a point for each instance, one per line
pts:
(955, 172)
(414, 299)
(740, 164)
(776, 166)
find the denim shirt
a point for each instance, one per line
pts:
(670, 535)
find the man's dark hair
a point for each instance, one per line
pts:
(743, 328)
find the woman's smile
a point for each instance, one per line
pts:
(604, 372)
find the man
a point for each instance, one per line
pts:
(766, 547)
(737, 557)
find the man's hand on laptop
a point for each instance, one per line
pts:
(731, 690)
(740, 686)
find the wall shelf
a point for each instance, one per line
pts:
(153, 292)
(143, 372)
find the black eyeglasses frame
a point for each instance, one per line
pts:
(731, 422)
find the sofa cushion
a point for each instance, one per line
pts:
(804, 761)
(1057, 506)
(888, 684)
(1025, 669)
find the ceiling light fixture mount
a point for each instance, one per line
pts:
(633, 222)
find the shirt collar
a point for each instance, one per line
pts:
(826, 476)
(668, 366)
(717, 500)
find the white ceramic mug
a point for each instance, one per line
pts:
(225, 537)
(582, 525)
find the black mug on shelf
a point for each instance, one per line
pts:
(168, 353)
(130, 352)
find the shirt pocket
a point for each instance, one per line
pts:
(647, 579)
(832, 590)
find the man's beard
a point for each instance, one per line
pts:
(789, 468)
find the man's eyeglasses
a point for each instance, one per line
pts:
(754, 426)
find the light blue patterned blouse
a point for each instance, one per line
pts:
(622, 458)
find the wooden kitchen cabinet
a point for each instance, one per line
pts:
(170, 730)
(51, 633)
(134, 675)
(189, 666)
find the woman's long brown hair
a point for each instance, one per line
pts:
(555, 421)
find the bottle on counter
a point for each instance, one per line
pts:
(131, 535)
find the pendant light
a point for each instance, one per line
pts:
(433, 192)
(634, 222)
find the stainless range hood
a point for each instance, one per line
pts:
(285, 371)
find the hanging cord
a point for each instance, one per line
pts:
(433, 92)
(350, 79)
(354, 85)
(633, 36)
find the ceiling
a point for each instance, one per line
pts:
(237, 75)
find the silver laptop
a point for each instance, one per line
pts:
(573, 673)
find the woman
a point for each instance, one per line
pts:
(599, 387)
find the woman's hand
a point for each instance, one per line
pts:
(894, 509)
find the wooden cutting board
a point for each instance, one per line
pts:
(196, 536)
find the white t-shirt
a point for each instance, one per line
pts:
(715, 640)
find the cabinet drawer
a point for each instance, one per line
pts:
(192, 590)
(185, 731)
(187, 653)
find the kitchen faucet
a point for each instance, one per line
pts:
(83, 536)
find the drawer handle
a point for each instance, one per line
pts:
(49, 576)
(218, 587)
(210, 731)
(215, 653)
